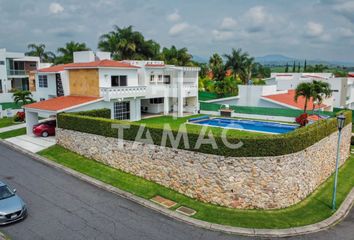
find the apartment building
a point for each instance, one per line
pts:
(131, 89)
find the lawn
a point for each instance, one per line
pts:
(13, 133)
(175, 123)
(5, 122)
(315, 208)
(11, 105)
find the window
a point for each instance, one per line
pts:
(152, 78)
(0, 86)
(334, 90)
(156, 100)
(167, 79)
(119, 81)
(160, 78)
(2, 62)
(122, 110)
(42, 81)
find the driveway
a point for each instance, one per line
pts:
(63, 207)
(32, 143)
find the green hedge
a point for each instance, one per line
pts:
(98, 113)
(265, 145)
(259, 110)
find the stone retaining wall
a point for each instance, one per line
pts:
(244, 182)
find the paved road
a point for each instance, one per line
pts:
(63, 207)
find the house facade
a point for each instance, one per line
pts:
(131, 89)
(342, 87)
(16, 73)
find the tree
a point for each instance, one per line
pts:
(320, 91)
(38, 50)
(294, 67)
(304, 89)
(305, 66)
(22, 97)
(219, 73)
(203, 70)
(287, 67)
(126, 44)
(298, 67)
(66, 53)
(174, 56)
(240, 63)
(215, 60)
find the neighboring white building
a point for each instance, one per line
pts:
(130, 89)
(342, 87)
(269, 96)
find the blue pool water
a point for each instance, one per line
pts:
(250, 125)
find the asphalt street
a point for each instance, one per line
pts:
(63, 207)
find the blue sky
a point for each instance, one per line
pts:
(318, 29)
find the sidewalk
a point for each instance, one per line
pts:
(13, 127)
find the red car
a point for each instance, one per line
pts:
(45, 129)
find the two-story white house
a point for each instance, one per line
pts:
(131, 89)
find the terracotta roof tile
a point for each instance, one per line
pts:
(95, 64)
(288, 99)
(61, 103)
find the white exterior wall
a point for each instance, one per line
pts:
(50, 91)
(106, 73)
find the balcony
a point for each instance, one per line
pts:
(109, 93)
(14, 72)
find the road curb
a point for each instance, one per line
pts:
(340, 214)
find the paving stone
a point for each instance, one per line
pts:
(186, 211)
(163, 201)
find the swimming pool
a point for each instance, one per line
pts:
(248, 125)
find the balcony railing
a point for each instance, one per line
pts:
(14, 72)
(109, 93)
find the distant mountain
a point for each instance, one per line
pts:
(200, 59)
(280, 60)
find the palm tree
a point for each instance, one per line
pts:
(320, 91)
(22, 97)
(176, 56)
(38, 50)
(238, 62)
(215, 60)
(68, 51)
(246, 72)
(304, 89)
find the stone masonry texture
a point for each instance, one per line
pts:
(243, 182)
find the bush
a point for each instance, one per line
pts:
(352, 141)
(267, 145)
(19, 117)
(98, 113)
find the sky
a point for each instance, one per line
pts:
(311, 29)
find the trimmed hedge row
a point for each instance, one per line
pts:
(98, 113)
(255, 146)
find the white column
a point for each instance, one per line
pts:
(31, 120)
(166, 106)
(135, 110)
(180, 93)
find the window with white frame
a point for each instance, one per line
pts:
(152, 78)
(160, 78)
(122, 110)
(43, 81)
(119, 81)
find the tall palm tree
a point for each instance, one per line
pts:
(304, 89)
(66, 53)
(320, 91)
(22, 97)
(215, 60)
(38, 50)
(238, 61)
(176, 56)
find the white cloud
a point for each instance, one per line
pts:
(178, 28)
(56, 8)
(314, 29)
(220, 35)
(174, 17)
(258, 19)
(346, 32)
(228, 23)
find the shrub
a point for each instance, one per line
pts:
(267, 145)
(98, 113)
(302, 119)
(19, 117)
